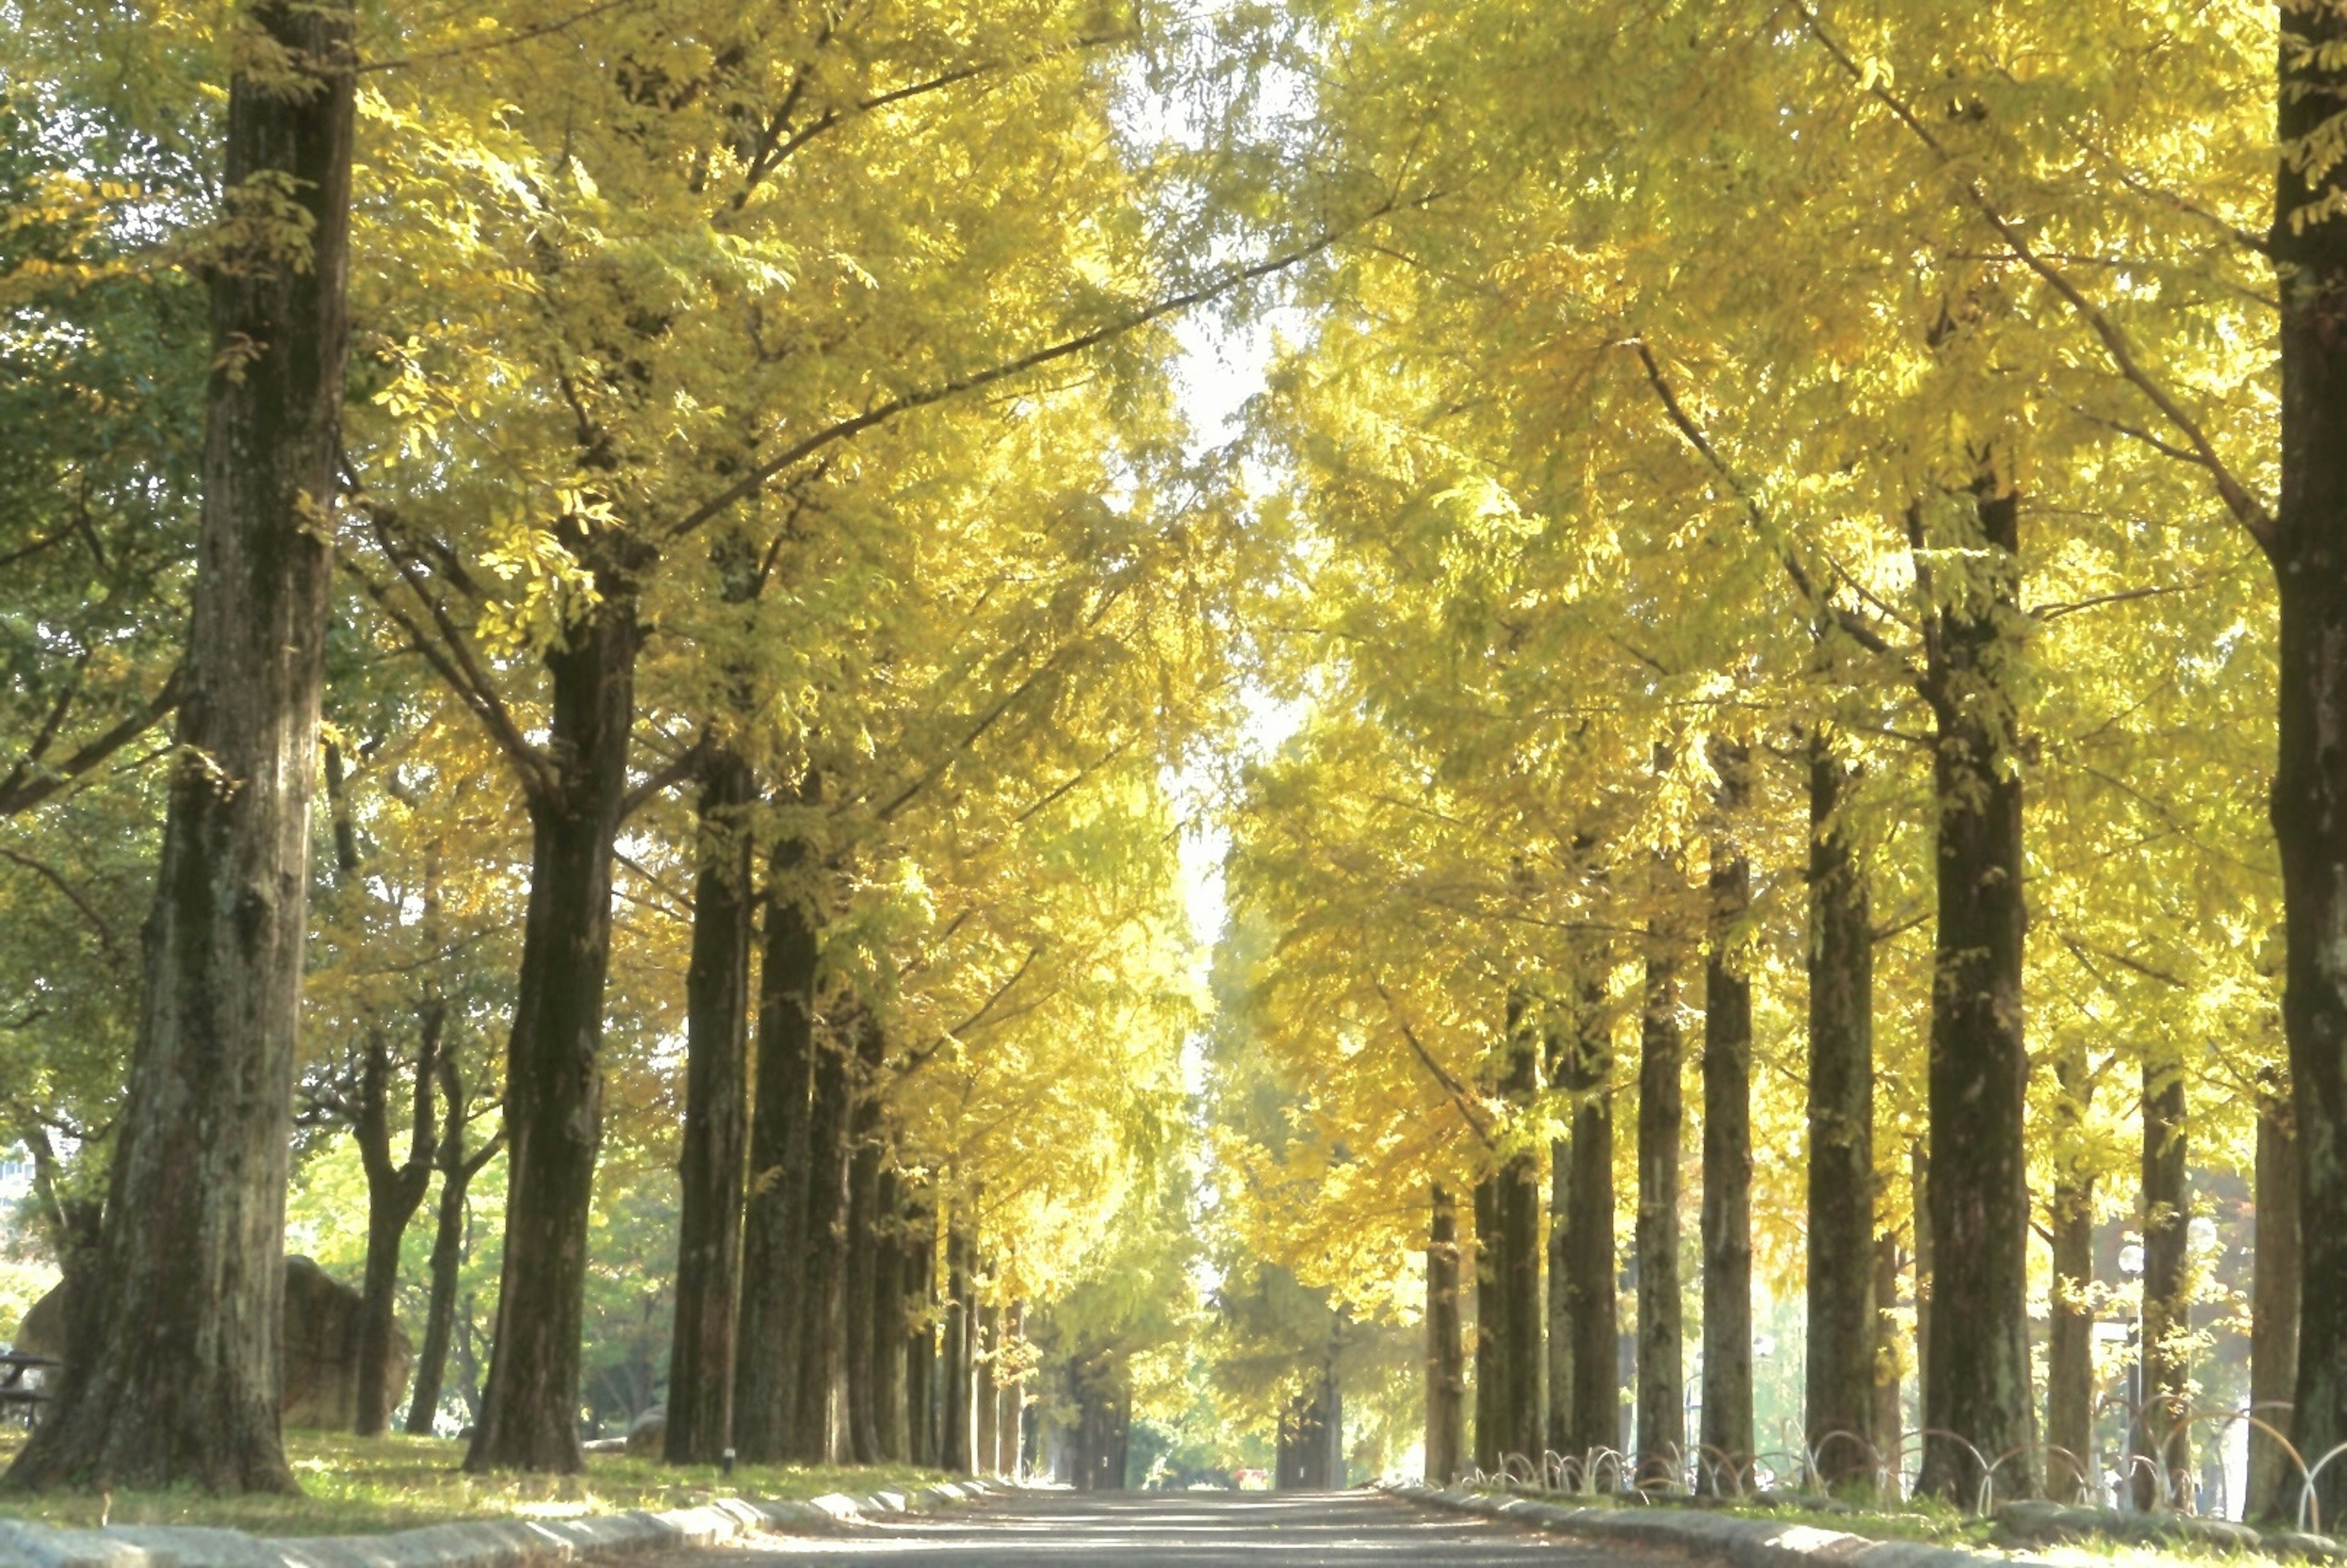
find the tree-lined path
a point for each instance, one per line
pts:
(1178, 1529)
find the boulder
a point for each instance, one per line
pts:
(321, 1379)
(648, 1433)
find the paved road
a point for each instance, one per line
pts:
(1171, 1530)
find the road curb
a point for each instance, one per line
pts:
(477, 1543)
(1742, 1542)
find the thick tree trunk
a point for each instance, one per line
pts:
(2309, 550)
(1557, 1394)
(1978, 1377)
(2160, 1436)
(1844, 1333)
(921, 1331)
(529, 1415)
(1726, 1440)
(988, 1328)
(2272, 1489)
(716, 1121)
(1596, 1414)
(1919, 1179)
(1518, 1210)
(1888, 1419)
(954, 1365)
(860, 1291)
(393, 1194)
(1446, 1361)
(1662, 1377)
(456, 1172)
(2070, 1343)
(1492, 1384)
(822, 1249)
(1009, 1389)
(773, 1313)
(891, 1325)
(181, 1381)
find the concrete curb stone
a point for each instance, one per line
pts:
(1743, 1542)
(477, 1543)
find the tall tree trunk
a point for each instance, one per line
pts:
(822, 1245)
(890, 1325)
(1977, 1360)
(1727, 1428)
(2160, 1434)
(2070, 1338)
(772, 1315)
(1919, 1179)
(1889, 1422)
(953, 1366)
(1557, 1406)
(1662, 1378)
(1009, 1390)
(716, 1121)
(457, 1170)
(182, 1382)
(860, 1288)
(1446, 1359)
(2308, 551)
(987, 1406)
(1491, 1336)
(2273, 1304)
(1596, 1416)
(393, 1194)
(1517, 1207)
(529, 1415)
(921, 1331)
(1844, 1334)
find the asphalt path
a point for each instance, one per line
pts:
(1170, 1530)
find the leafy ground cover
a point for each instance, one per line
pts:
(353, 1486)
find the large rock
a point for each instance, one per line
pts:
(321, 1346)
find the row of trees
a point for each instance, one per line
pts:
(1782, 606)
(697, 487)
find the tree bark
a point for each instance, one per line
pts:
(1726, 1440)
(891, 1325)
(989, 1333)
(773, 1312)
(1009, 1389)
(1889, 1422)
(860, 1282)
(1557, 1404)
(1596, 1416)
(921, 1331)
(2273, 1305)
(456, 1172)
(1446, 1361)
(954, 1452)
(393, 1194)
(1518, 1210)
(822, 1244)
(182, 1382)
(529, 1415)
(1844, 1332)
(2070, 1336)
(2159, 1434)
(1492, 1382)
(2308, 548)
(1978, 1380)
(716, 1121)
(1662, 1377)
(1919, 1178)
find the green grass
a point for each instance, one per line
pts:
(353, 1486)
